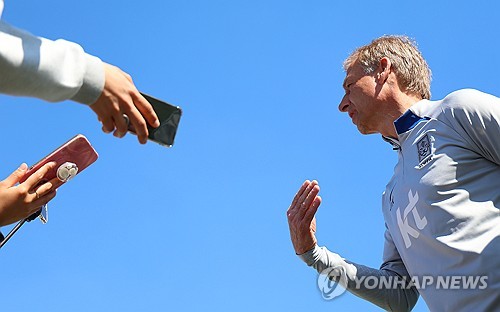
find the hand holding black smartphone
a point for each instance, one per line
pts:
(169, 117)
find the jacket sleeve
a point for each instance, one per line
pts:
(50, 70)
(389, 287)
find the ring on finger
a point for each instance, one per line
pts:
(37, 195)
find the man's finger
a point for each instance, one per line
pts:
(306, 192)
(298, 194)
(306, 204)
(311, 196)
(311, 212)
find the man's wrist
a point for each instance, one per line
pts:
(310, 256)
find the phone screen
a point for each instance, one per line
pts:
(169, 116)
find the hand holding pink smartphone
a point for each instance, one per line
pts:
(71, 158)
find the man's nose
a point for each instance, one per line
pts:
(344, 104)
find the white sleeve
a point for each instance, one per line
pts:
(50, 70)
(476, 117)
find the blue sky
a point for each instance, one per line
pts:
(202, 226)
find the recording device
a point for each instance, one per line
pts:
(71, 158)
(169, 117)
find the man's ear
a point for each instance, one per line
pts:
(383, 70)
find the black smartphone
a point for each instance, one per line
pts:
(169, 116)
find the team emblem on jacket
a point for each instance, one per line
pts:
(424, 151)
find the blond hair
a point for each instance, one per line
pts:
(412, 72)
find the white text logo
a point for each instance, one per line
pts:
(405, 229)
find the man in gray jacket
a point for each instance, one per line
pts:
(441, 207)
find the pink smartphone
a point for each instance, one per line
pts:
(71, 158)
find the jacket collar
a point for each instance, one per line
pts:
(403, 124)
(407, 121)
